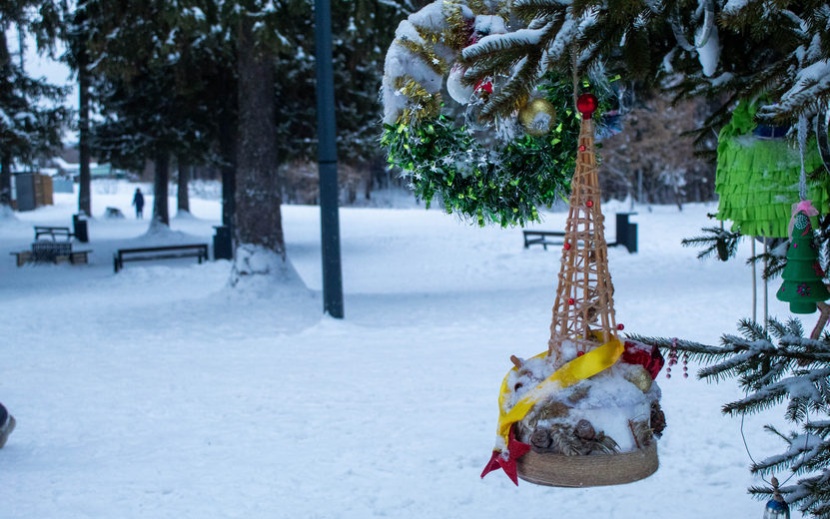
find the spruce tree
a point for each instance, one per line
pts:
(718, 49)
(33, 115)
(776, 365)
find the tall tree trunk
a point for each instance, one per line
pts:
(85, 180)
(258, 218)
(227, 146)
(5, 152)
(6, 179)
(160, 189)
(184, 180)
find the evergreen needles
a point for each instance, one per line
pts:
(778, 365)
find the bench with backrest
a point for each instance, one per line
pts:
(53, 232)
(543, 238)
(626, 235)
(195, 250)
(52, 245)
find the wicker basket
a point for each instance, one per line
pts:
(557, 470)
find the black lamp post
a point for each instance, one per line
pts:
(327, 160)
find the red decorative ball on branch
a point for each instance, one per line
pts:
(587, 104)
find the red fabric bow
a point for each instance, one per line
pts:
(507, 460)
(646, 356)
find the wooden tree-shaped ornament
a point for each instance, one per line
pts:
(803, 277)
(586, 411)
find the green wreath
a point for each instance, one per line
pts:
(485, 177)
(499, 171)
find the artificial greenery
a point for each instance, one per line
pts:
(776, 365)
(502, 183)
(487, 177)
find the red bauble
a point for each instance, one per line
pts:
(590, 203)
(571, 301)
(587, 104)
(620, 327)
(582, 147)
(567, 246)
(484, 85)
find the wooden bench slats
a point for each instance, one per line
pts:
(196, 250)
(542, 238)
(53, 232)
(626, 235)
(51, 252)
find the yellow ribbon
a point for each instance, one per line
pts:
(581, 368)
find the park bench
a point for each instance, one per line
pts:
(47, 251)
(52, 245)
(53, 232)
(196, 250)
(626, 235)
(543, 238)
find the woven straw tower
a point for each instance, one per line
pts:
(584, 296)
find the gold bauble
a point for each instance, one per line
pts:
(640, 377)
(537, 116)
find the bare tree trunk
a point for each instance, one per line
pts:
(85, 180)
(161, 180)
(184, 179)
(258, 217)
(6, 179)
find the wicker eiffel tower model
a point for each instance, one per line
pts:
(596, 425)
(584, 295)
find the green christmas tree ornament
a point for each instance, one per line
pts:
(803, 276)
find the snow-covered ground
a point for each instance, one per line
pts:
(160, 392)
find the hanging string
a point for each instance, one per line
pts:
(575, 77)
(754, 285)
(766, 284)
(802, 146)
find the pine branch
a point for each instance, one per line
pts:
(777, 364)
(529, 10)
(719, 241)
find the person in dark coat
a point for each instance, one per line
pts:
(138, 202)
(7, 424)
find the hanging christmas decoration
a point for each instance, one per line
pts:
(757, 177)
(538, 116)
(461, 93)
(495, 170)
(803, 276)
(822, 136)
(586, 412)
(776, 507)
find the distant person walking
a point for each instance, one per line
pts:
(138, 202)
(7, 424)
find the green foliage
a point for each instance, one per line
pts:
(776, 48)
(492, 178)
(716, 242)
(363, 31)
(776, 365)
(32, 116)
(445, 161)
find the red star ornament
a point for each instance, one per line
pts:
(515, 450)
